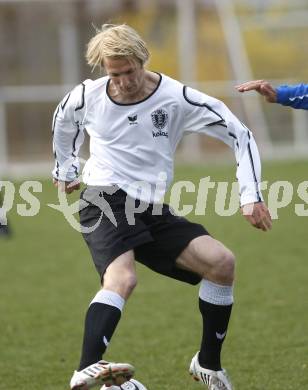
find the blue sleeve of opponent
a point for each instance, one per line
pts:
(295, 96)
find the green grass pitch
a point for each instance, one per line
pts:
(47, 280)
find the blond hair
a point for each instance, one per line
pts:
(116, 41)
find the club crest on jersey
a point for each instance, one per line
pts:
(159, 118)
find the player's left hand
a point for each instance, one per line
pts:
(258, 215)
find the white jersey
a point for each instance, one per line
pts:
(134, 144)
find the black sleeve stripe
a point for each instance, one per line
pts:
(64, 104)
(254, 172)
(235, 137)
(75, 139)
(221, 122)
(53, 132)
(76, 169)
(252, 164)
(82, 101)
(54, 121)
(201, 104)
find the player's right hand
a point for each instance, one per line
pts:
(263, 87)
(67, 186)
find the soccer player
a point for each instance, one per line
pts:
(295, 96)
(135, 119)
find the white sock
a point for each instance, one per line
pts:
(109, 298)
(215, 293)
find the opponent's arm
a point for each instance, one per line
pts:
(295, 96)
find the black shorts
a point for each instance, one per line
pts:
(157, 240)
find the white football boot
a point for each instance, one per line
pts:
(214, 380)
(101, 373)
(132, 384)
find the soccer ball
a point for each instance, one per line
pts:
(132, 384)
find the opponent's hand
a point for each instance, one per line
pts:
(67, 186)
(263, 87)
(258, 215)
